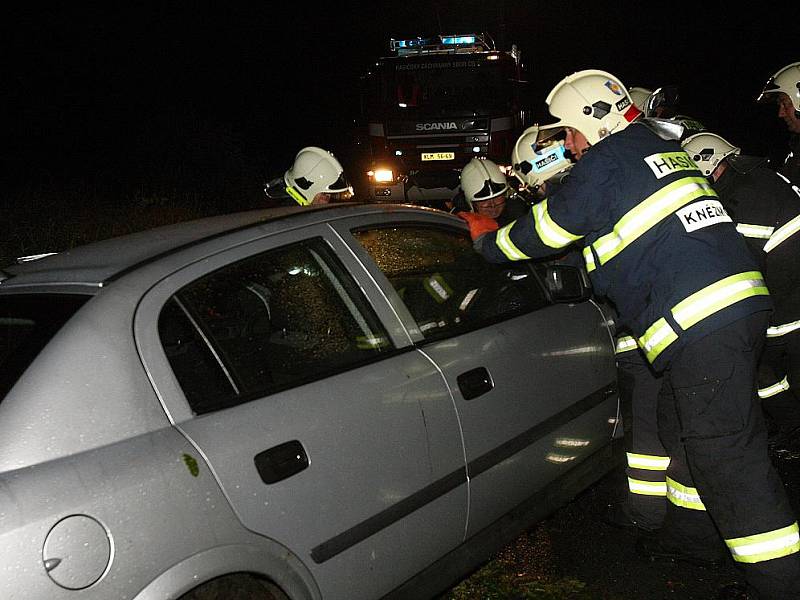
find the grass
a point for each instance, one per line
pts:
(523, 570)
(41, 219)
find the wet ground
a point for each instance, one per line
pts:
(575, 555)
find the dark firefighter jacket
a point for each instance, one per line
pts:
(791, 164)
(766, 209)
(658, 242)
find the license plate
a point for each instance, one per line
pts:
(438, 156)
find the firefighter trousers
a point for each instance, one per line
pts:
(647, 459)
(720, 481)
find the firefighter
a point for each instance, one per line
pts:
(765, 206)
(784, 89)
(486, 192)
(315, 177)
(660, 246)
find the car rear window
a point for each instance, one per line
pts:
(27, 323)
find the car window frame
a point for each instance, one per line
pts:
(202, 263)
(433, 219)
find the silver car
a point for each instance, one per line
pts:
(342, 403)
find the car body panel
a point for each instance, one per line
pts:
(549, 407)
(134, 500)
(380, 433)
(553, 400)
(98, 430)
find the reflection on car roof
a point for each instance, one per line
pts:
(99, 262)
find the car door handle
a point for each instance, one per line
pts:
(474, 382)
(281, 462)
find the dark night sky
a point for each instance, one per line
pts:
(90, 89)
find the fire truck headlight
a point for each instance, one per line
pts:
(476, 149)
(398, 153)
(383, 175)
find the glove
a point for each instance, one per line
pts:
(478, 224)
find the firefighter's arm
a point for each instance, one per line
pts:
(478, 224)
(533, 235)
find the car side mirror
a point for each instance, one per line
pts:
(567, 284)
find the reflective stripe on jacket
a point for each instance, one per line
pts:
(658, 242)
(766, 207)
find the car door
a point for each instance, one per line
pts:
(533, 381)
(326, 430)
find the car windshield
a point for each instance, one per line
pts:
(27, 323)
(431, 86)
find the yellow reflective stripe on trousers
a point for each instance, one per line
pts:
(550, 232)
(774, 389)
(651, 462)
(625, 344)
(717, 296)
(683, 496)
(648, 213)
(507, 247)
(657, 337)
(588, 258)
(765, 546)
(761, 232)
(783, 233)
(779, 330)
(647, 488)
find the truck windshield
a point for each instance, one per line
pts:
(436, 85)
(27, 323)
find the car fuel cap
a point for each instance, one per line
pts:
(77, 552)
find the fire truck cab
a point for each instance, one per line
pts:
(432, 105)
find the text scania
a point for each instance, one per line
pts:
(669, 162)
(436, 126)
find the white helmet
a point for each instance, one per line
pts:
(707, 150)
(482, 179)
(786, 80)
(315, 171)
(640, 96)
(593, 102)
(538, 155)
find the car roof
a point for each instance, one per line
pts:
(94, 264)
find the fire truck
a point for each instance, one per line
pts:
(433, 104)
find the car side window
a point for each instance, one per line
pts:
(267, 323)
(447, 287)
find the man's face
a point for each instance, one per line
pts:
(787, 113)
(492, 207)
(576, 143)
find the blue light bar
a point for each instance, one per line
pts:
(455, 40)
(432, 44)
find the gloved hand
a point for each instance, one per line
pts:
(478, 224)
